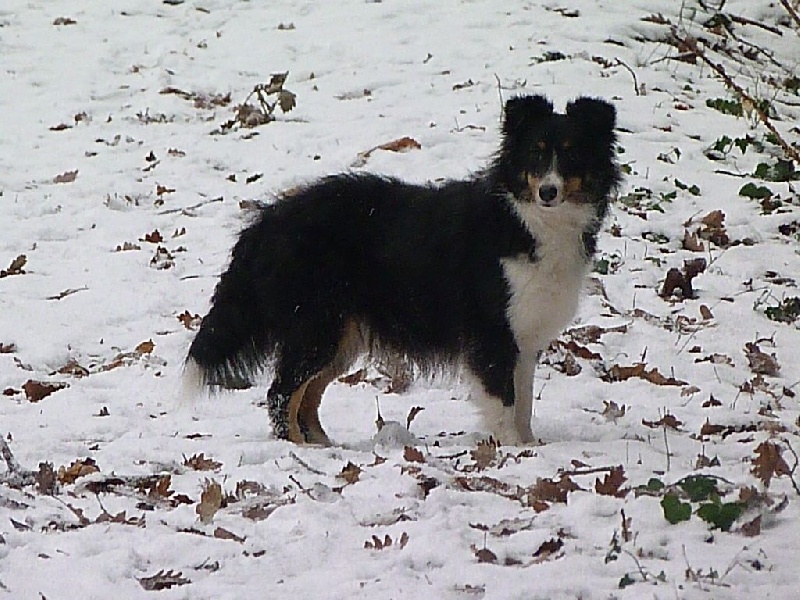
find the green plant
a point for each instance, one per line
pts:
(757, 192)
(780, 170)
(786, 311)
(696, 493)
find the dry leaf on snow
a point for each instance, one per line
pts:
(199, 462)
(769, 463)
(36, 391)
(78, 468)
(16, 267)
(611, 485)
(66, 177)
(350, 473)
(621, 373)
(761, 362)
(210, 501)
(403, 144)
(163, 580)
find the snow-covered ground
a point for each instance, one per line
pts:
(124, 193)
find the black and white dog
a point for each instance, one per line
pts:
(485, 271)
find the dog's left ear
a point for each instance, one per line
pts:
(521, 111)
(596, 116)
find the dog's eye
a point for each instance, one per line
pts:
(570, 154)
(538, 149)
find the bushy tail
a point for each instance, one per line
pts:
(234, 341)
(225, 352)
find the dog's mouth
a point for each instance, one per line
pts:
(552, 190)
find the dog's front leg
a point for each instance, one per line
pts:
(523, 396)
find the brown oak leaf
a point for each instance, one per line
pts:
(769, 463)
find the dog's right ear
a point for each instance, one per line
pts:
(522, 111)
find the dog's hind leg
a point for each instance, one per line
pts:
(308, 412)
(351, 343)
(294, 372)
(283, 402)
(304, 370)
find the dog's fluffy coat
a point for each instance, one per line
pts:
(486, 271)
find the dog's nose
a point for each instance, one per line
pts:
(548, 193)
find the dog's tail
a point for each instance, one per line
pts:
(234, 341)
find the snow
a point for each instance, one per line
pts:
(366, 73)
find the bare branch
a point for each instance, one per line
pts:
(792, 12)
(691, 43)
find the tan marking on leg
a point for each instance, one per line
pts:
(306, 415)
(295, 402)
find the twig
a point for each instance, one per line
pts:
(639, 566)
(500, 95)
(692, 44)
(792, 12)
(635, 81)
(666, 444)
(746, 21)
(306, 465)
(588, 471)
(794, 467)
(16, 476)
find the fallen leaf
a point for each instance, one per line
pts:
(769, 463)
(145, 347)
(66, 177)
(752, 528)
(46, 479)
(210, 501)
(199, 462)
(485, 454)
(668, 420)
(760, 362)
(710, 429)
(16, 266)
(35, 391)
(622, 373)
(190, 321)
(548, 549)
(403, 144)
(580, 351)
(223, 534)
(350, 473)
(484, 555)
(692, 243)
(163, 580)
(412, 454)
(79, 468)
(612, 483)
(73, 368)
(154, 237)
(547, 490)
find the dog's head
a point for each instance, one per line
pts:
(550, 158)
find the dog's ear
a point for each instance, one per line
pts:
(596, 116)
(521, 111)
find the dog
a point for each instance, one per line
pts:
(483, 272)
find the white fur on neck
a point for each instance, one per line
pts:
(544, 292)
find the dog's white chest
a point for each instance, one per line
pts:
(544, 293)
